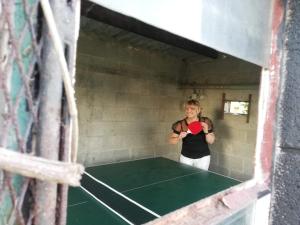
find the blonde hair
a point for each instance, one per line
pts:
(195, 103)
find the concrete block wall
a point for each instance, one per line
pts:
(234, 149)
(127, 99)
(285, 196)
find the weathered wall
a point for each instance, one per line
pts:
(285, 205)
(127, 99)
(1, 112)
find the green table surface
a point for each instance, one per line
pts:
(159, 184)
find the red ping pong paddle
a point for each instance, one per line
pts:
(194, 128)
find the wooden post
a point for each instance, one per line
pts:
(48, 138)
(222, 107)
(249, 108)
(40, 168)
(72, 33)
(54, 134)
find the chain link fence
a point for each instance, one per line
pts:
(22, 41)
(20, 48)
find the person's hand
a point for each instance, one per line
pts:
(204, 127)
(182, 135)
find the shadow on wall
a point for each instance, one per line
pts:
(219, 125)
(219, 161)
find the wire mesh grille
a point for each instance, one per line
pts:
(20, 54)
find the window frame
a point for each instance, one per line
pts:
(216, 208)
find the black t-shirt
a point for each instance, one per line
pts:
(193, 146)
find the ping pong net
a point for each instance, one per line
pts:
(124, 207)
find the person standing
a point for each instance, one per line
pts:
(195, 151)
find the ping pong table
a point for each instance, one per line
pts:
(158, 184)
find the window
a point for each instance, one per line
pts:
(236, 107)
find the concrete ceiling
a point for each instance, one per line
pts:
(223, 70)
(108, 32)
(134, 26)
(238, 28)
